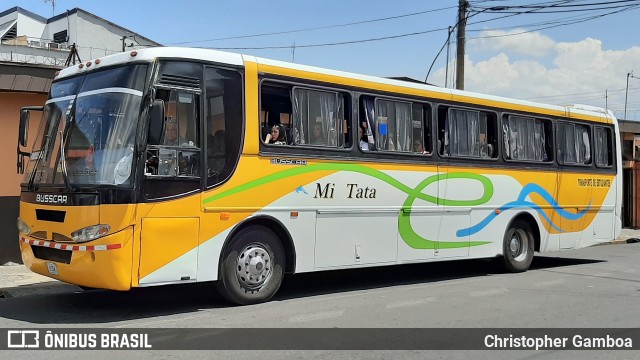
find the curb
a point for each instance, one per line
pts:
(629, 240)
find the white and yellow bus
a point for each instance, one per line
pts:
(175, 165)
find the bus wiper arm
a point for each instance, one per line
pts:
(36, 166)
(63, 163)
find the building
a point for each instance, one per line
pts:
(630, 140)
(32, 49)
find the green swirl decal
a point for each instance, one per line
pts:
(404, 218)
(406, 231)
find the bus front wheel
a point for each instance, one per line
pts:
(518, 247)
(252, 266)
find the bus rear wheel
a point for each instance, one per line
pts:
(252, 266)
(518, 247)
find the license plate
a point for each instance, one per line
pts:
(52, 268)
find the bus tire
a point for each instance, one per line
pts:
(252, 266)
(518, 246)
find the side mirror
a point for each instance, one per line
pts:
(156, 122)
(23, 130)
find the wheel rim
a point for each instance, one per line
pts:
(518, 245)
(253, 266)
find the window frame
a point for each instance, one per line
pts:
(306, 149)
(612, 147)
(427, 110)
(376, 133)
(177, 149)
(449, 107)
(204, 122)
(552, 138)
(339, 99)
(563, 122)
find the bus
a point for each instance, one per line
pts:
(177, 165)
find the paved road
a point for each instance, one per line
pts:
(593, 287)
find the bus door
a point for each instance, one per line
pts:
(170, 230)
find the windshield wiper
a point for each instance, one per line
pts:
(63, 163)
(36, 166)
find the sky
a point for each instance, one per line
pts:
(571, 53)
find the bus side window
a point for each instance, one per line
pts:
(179, 152)
(223, 122)
(318, 118)
(467, 132)
(603, 147)
(276, 108)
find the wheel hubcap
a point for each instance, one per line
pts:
(254, 266)
(519, 245)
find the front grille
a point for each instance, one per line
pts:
(61, 238)
(45, 253)
(179, 80)
(50, 215)
(39, 235)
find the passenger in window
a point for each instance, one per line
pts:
(483, 147)
(277, 136)
(419, 148)
(171, 137)
(364, 143)
(316, 135)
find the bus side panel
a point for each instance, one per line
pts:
(584, 209)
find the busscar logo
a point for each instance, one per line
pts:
(51, 199)
(23, 339)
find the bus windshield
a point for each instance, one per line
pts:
(94, 117)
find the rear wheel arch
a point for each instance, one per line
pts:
(535, 228)
(521, 239)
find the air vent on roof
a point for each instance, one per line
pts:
(11, 33)
(60, 36)
(178, 80)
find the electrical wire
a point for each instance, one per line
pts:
(317, 28)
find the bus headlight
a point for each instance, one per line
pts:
(23, 227)
(90, 233)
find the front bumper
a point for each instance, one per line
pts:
(105, 263)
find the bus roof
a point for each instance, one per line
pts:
(341, 77)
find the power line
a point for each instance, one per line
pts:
(352, 41)
(537, 10)
(329, 44)
(317, 28)
(627, 8)
(583, 93)
(543, 23)
(557, 4)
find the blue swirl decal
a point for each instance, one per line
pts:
(521, 202)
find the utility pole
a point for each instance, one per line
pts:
(124, 44)
(53, 6)
(626, 94)
(446, 69)
(462, 25)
